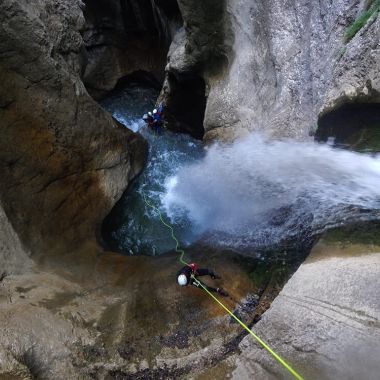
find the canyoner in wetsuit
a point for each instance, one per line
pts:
(155, 120)
(149, 120)
(185, 276)
(158, 119)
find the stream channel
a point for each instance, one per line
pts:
(255, 195)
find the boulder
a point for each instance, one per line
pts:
(326, 320)
(64, 161)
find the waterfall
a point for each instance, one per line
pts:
(254, 193)
(258, 192)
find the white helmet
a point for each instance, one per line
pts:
(182, 280)
(154, 111)
(150, 113)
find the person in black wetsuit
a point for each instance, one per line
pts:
(148, 118)
(158, 119)
(184, 278)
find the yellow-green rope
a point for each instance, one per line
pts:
(276, 356)
(181, 251)
(258, 339)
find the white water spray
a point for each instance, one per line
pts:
(270, 189)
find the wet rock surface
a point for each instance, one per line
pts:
(123, 317)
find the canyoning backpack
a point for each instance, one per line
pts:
(194, 267)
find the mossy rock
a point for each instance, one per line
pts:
(364, 233)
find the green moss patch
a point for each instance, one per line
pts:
(367, 140)
(354, 126)
(265, 273)
(365, 233)
(361, 20)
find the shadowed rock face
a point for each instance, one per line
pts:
(282, 63)
(199, 51)
(64, 161)
(186, 107)
(124, 36)
(354, 126)
(13, 257)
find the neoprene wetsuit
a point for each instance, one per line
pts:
(192, 269)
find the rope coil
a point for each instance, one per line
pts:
(279, 359)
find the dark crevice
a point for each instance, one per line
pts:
(171, 9)
(31, 361)
(187, 103)
(352, 126)
(125, 37)
(138, 78)
(112, 222)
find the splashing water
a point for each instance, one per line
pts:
(257, 192)
(133, 227)
(253, 193)
(129, 104)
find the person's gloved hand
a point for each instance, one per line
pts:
(215, 276)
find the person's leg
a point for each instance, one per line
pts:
(203, 272)
(198, 284)
(207, 272)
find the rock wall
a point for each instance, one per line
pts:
(283, 62)
(326, 320)
(356, 74)
(200, 51)
(14, 258)
(63, 161)
(125, 36)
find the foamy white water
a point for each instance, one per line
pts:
(251, 194)
(255, 187)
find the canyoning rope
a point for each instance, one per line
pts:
(258, 339)
(181, 251)
(279, 359)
